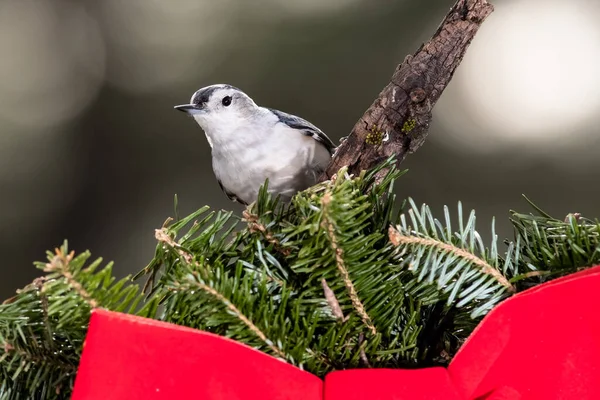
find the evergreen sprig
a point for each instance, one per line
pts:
(42, 328)
(553, 247)
(464, 271)
(339, 278)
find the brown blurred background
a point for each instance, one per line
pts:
(91, 149)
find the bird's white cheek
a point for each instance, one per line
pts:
(199, 117)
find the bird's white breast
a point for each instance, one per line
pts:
(251, 154)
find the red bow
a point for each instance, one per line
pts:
(543, 343)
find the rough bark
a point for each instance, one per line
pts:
(398, 121)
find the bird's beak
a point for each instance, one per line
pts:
(190, 108)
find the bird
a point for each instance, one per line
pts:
(250, 144)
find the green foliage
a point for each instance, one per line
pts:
(339, 278)
(466, 274)
(400, 297)
(553, 247)
(42, 328)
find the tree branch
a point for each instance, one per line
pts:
(398, 120)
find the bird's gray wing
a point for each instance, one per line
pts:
(305, 127)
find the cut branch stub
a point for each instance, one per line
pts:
(398, 120)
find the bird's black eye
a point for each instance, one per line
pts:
(226, 101)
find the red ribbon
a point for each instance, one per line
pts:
(543, 343)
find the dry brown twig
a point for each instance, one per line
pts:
(398, 120)
(333, 302)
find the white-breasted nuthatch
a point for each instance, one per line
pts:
(251, 144)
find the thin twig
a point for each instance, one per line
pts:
(333, 302)
(397, 239)
(532, 274)
(363, 355)
(60, 263)
(238, 314)
(339, 259)
(39, 284)
(256, 226)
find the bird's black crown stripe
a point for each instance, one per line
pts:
(203, 95)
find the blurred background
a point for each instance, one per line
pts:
(92, 151)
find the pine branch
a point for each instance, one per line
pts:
(463, 270)
(338, 279)
(195, 280)
(295, 312)
(43, 327)
(339, 260)
(554, 247)
(398, 239)
(195, 284)
(60, 264)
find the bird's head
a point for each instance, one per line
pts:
(220, 109)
